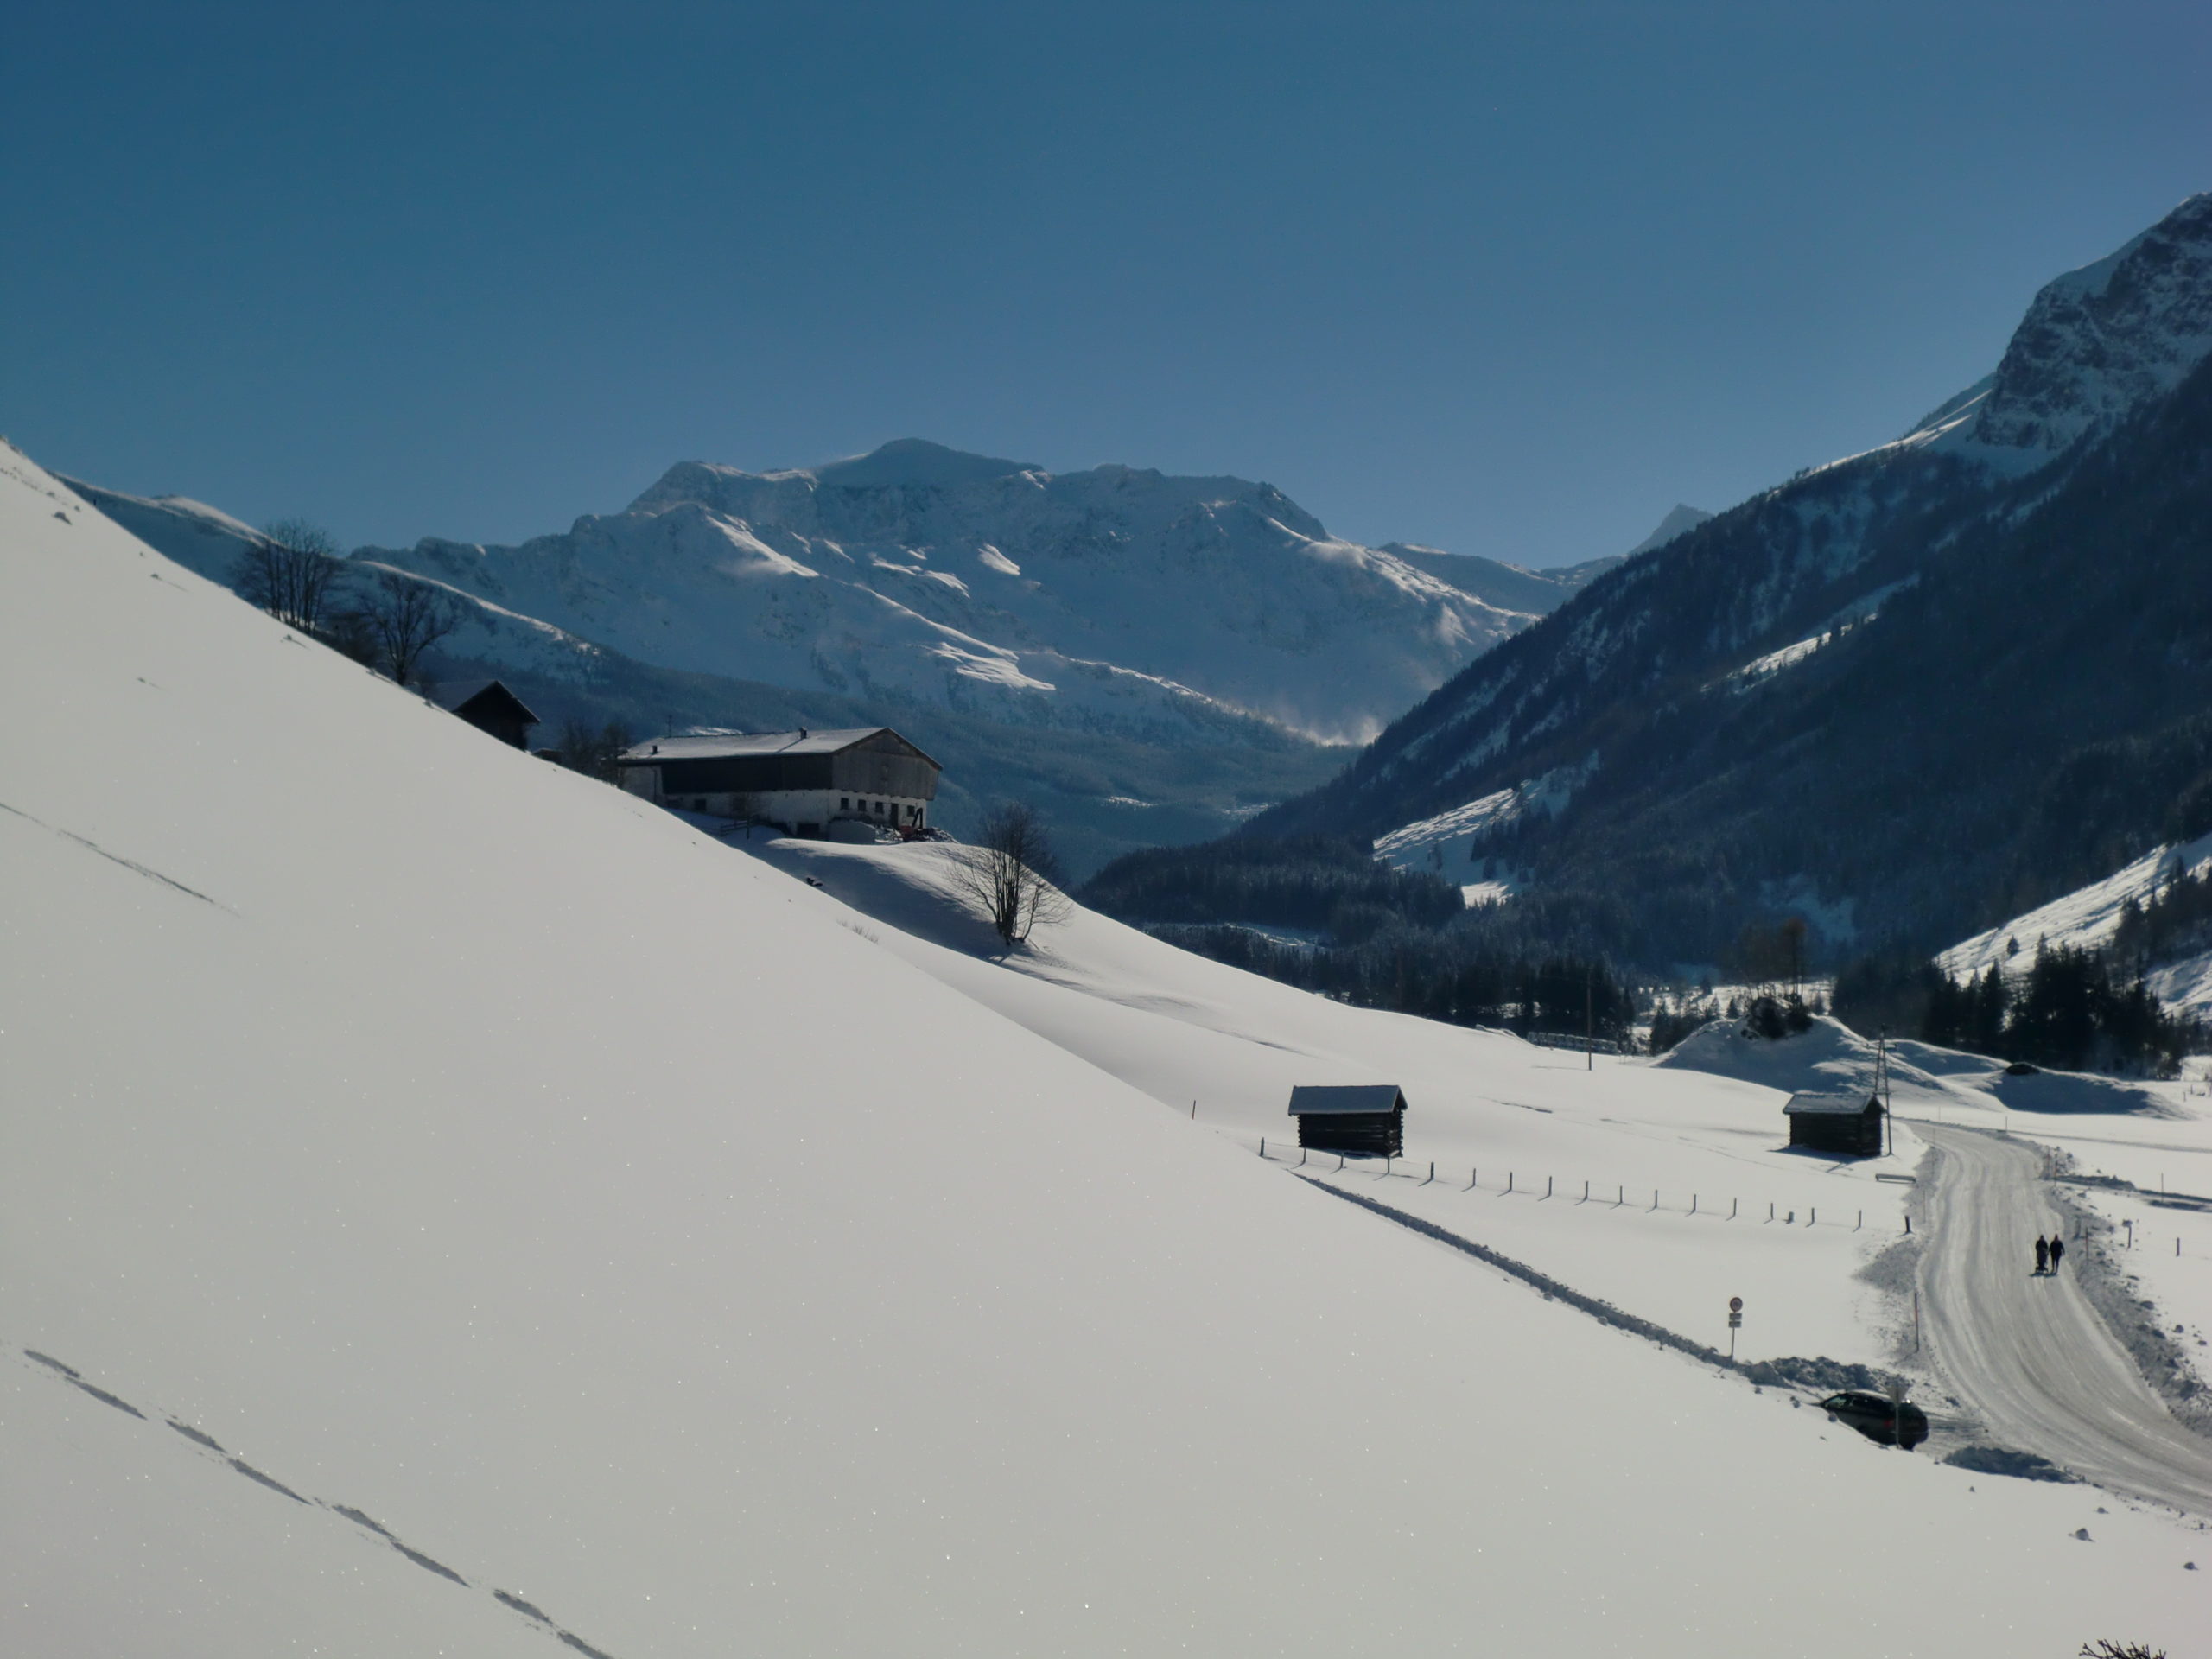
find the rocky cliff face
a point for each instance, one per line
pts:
(2099, 342)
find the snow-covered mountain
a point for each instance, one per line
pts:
(1845, 695)
(1118, 598)
(1516, 587)
(412, 1241)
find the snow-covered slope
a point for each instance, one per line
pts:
(1516, 587)
(488, 1163)
(1116, 598)
(2087, 919)
(210, 542)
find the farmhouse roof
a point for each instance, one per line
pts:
(725, 746)
(1327, 1099)
(1814, 1101)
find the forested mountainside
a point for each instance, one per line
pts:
(1905, 694)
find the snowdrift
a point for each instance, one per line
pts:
(577, 1238)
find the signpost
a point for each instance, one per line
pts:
(1735, 1322)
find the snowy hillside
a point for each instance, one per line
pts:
(1116, 599)
(579, 1238)
(2088, 916)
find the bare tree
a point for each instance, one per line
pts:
(1012, 873)
(293, 572)
(593, 751)
(406, 617)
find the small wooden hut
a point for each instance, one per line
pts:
(1849, 1123)
(1367, 1119)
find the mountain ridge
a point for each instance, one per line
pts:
(1724, 629)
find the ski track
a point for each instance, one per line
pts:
(2029, 1355)
(513, 1603)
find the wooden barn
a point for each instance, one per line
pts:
(805, 781)
(1849, 1123)
(489, 705)
(1365, 1118)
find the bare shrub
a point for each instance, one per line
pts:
(1011, 873)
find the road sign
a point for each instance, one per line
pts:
(1735, 1304)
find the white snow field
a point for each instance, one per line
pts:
(533, 1200)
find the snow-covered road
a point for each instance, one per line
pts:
(2029, 1354)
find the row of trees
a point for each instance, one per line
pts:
(2175, 921)
(296, 572)
(1329, 882)
(2071, 1009)
(1438, 975)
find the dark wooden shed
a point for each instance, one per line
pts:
(1848, 1123)
(1365, 1118)
(489, 705)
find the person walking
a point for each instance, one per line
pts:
(2057, 1250)
(2043, 1254)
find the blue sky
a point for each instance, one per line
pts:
(1509, 279)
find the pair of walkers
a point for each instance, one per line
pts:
(2050, 1252)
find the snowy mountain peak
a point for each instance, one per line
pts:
(2096, 344)
(916, 462)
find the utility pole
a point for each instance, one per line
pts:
(1882, 1086)
(1590, 1019)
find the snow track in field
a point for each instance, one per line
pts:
(211, 1451)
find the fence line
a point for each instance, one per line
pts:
(1426, 1172)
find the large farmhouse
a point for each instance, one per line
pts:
(803, 781)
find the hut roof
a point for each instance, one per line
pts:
(727, 746)
(1323, 1099)
(456, 696)
(1836, 1105)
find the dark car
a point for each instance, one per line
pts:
(1879, 1419)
